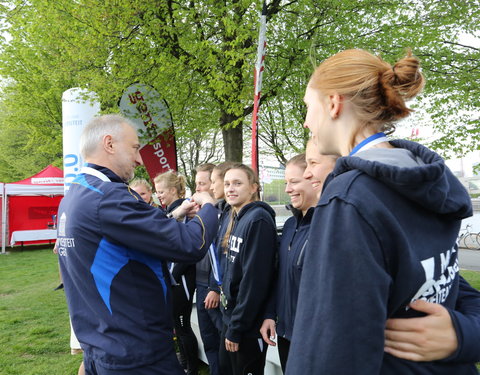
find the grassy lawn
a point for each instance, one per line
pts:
(34, 327)
(35, 332)
(33, 318)
(472, 277)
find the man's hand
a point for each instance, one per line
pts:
(212, 300)
(55, 247)
(186, 208)
(428, 338)
(231, 346)
(268, 331)
(202, 198)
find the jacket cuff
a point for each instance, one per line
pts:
(270, 315)
(233, 335)
(467, 338)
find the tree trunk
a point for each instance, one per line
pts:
(232, 138)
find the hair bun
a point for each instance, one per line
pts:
(409, 79)
(402, 81)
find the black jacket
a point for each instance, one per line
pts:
(291, 257)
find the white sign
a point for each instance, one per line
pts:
(79, 107)
(46, 180)
(143, 105)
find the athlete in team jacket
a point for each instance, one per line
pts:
(383, 233)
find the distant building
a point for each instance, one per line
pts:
(269, 174)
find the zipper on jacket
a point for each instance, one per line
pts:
(300, 256)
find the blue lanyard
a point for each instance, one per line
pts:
(369, 142)
(216, 269)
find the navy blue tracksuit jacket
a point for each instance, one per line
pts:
(113, 249)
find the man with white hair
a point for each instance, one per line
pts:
(113, 248)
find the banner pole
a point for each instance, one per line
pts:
(257, 83)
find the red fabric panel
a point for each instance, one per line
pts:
(31, 212)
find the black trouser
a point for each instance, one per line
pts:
(283, 347)
(249, 360)
(187, 341)
(208, 321)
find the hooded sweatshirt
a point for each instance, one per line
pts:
(382, 236)
(249, 270)
(205, 277)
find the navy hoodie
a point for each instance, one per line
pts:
(113, 249)
(249, 270)
(205, 277)
(291, 252)
(381, 237)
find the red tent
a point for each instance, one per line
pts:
(29, 206)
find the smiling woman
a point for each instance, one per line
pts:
(318, 166)
(283, 299)
(248, 249)
(241, 187)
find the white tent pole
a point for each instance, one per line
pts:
(4, 217)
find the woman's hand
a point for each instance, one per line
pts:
(268, 331)
(428, 338)
(231, 346)
(212, 300)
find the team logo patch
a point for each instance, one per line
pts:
(61, 225)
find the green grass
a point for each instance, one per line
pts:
(34, 325)
(33, 318)
(472, 277)
(34, 328)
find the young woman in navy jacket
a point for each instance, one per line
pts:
(249, 248)
(383, 233)
(283, 302)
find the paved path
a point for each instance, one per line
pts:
(469, 259)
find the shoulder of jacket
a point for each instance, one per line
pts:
(340, 187)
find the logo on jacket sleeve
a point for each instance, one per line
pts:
(64, 243)
(61, 224)
(439, 277)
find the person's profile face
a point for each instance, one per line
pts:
(143, 191)
(301, 192)
(217, 185)
(166, 195)
(318, 167)
(202, 182)
(127, 153)
(317, 120)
